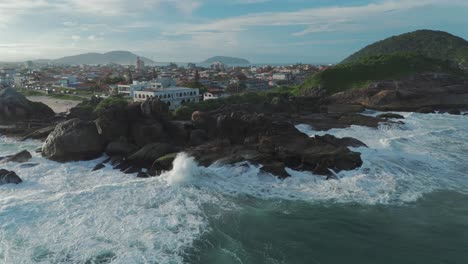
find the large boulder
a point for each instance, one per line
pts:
(120, 147)
(112, 123)
(73, 140)
(155, 108)
(7, 177)
(15, 107)
(150, 153)
(41, 133)
(146, 132)
(20, 157)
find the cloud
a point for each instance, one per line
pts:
(315, 20)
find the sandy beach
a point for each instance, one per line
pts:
(58, 105)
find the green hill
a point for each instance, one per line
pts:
(359, 74)
(433, 44)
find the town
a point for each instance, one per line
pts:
(174, 84)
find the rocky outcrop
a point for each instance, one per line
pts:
(15, 107)
(7, 177)
(41, 133)
(149, 153)
(391, 115)
(20, 157)
(72, 140)
(433, 90)
(275, 145)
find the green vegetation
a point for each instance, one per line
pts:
(27, 92)
(433, 44)
(251, 98)
(66, 97)
(384, 67)
(109, 102)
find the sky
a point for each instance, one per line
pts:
(262, 31)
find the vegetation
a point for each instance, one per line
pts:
(433, 44)
(118, 101)
(27, 92)
(251, 98)
(66, 97)
(384, 67)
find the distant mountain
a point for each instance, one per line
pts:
(432, 44)
(227, 60)
(117, 57)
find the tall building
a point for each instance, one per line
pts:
(140, 64)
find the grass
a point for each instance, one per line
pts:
(27, 92)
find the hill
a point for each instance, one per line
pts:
(359, 74)
(117, 57)
(227, 60)
(433, 44)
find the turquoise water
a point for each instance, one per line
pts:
(407, 204)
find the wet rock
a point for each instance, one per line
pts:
(112, 123)
(147, 132)
(276, 168)
(73, 140)
(454, 112)
(198, 137)
(98, 167)
(142, 175)
(149, 153)
(20, 157)
(164, 163)
(40, 134)
(121, 147)
(132, 170)
(7, 177)
(391, 115)
(426, 110)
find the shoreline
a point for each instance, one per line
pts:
(58, 105)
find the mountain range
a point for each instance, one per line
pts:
(117, 57)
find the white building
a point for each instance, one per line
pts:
(214, 94)
(218, 66)
(173, 96)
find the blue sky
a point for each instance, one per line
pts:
(275, 31)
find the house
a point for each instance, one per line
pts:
(214, 93)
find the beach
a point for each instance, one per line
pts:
(58, 105)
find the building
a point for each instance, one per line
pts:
(286, 77)
(218, 66)
(254, 84)
(140, 64)
(173, 96)
(214, 93)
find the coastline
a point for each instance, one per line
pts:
(58, 105)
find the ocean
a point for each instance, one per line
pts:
(407, 204)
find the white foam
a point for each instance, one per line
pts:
(65, 213)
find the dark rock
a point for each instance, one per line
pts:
(15, 107)
(152, 173)
(391, 115)
(39, 150)
(164, 163)
(132, 170)
(124, 165)
(147, 132)
(120, 147)
(149, 153)
(73, 140)
(40, 134)
(277, 169)
(454, 112)
(142, 175)
(341, 142)
(112, 123)
(107, 160)
(28, 165)
(426, 110)
(98, 167)
(7, 177)
(204, 121)
(20, 157)
(155, 109)
(198, 137)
